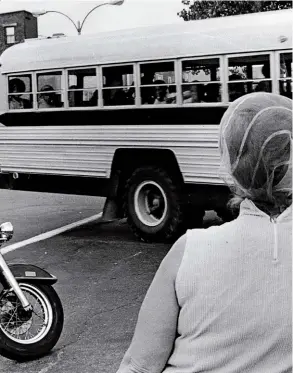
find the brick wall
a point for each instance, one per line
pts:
(31, 26)
(26, 27)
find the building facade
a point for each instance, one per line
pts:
(15, 27)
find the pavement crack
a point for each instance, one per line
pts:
(47, 368)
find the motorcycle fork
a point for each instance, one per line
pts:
(11, 281)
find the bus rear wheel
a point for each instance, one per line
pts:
(152, 205)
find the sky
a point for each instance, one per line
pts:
(133, 13)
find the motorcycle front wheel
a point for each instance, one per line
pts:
(28, 335)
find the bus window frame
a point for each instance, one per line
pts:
(274, 60)
(39, 72)
(278, 54)
(175, 61)
(269, 53)
(277, 61)
(108, 88)
(76, 108)
(178, 80)
(137, 100)
(34, 87)
(100, 86)
(225, 71)
(7, 93)
(221, 82)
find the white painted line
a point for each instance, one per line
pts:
(45, 236)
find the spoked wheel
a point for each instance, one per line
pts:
(30, 334)
(152, 205)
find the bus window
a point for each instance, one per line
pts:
(49, 90)
(157, 83)
(82, 87)
(249, 74)
(20, 92)
(201, 80)
(285, 81)
(118, 85)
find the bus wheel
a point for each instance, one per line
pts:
(152, 205)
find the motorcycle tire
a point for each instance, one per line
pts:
(16, 326)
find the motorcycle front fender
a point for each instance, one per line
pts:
(29, 272)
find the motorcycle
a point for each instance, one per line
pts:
(31, 313)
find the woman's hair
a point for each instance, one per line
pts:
(47, 88)
(18, 83)
(256, 148)
(47, 91)
(159, 81)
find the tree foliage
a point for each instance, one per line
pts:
(201, 9)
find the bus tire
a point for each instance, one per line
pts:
(152, 205)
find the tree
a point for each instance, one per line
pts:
(201, 9)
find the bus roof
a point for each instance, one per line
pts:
(234, 34)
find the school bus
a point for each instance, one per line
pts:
(133, 115)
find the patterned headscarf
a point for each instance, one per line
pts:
(256, 146)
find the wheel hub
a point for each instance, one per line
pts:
(25, 326)
(15, 317)
(150, 203)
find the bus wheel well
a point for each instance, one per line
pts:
(126, 161)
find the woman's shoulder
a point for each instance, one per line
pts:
(215, 236)
(213, 230)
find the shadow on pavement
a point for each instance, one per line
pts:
(119, 229)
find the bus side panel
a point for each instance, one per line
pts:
(88, 150)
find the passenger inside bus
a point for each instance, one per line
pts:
(48, 99)
(71, 96)
(117, 96)
(285, 82)
(147, 93)
(16, 101)
(212, 93)
(130, 95)
(265, 85)
(148, 77)
(171, 99)
(193, 94)
(161, 92)
(93, 101)
(236, 90)
(75, 97)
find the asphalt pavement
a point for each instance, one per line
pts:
(33, 213)
(103, 273)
